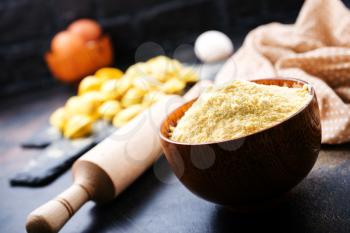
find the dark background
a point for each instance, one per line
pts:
(27, 26)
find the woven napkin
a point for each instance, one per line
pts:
(315, 49)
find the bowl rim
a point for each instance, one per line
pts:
(311, 92)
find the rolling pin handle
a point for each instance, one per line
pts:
(51, 217)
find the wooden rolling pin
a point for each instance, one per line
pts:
(111, 166)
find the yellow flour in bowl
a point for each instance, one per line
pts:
(238, 109)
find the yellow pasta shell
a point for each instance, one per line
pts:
(78, 126)
(107, 73)
(58, 118)
(89, 83)
(126, 115)
(109, 109)
(173, 86)
(132, 96)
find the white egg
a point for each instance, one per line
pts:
(213, 46)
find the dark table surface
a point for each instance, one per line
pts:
(157, 202)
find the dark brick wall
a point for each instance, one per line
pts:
(26, 27)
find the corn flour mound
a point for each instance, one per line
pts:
(237, 109)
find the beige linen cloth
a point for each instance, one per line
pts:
(316, 49)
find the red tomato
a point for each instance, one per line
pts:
(87, 29)
(66, 43)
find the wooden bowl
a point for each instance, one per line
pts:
(250, 172)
